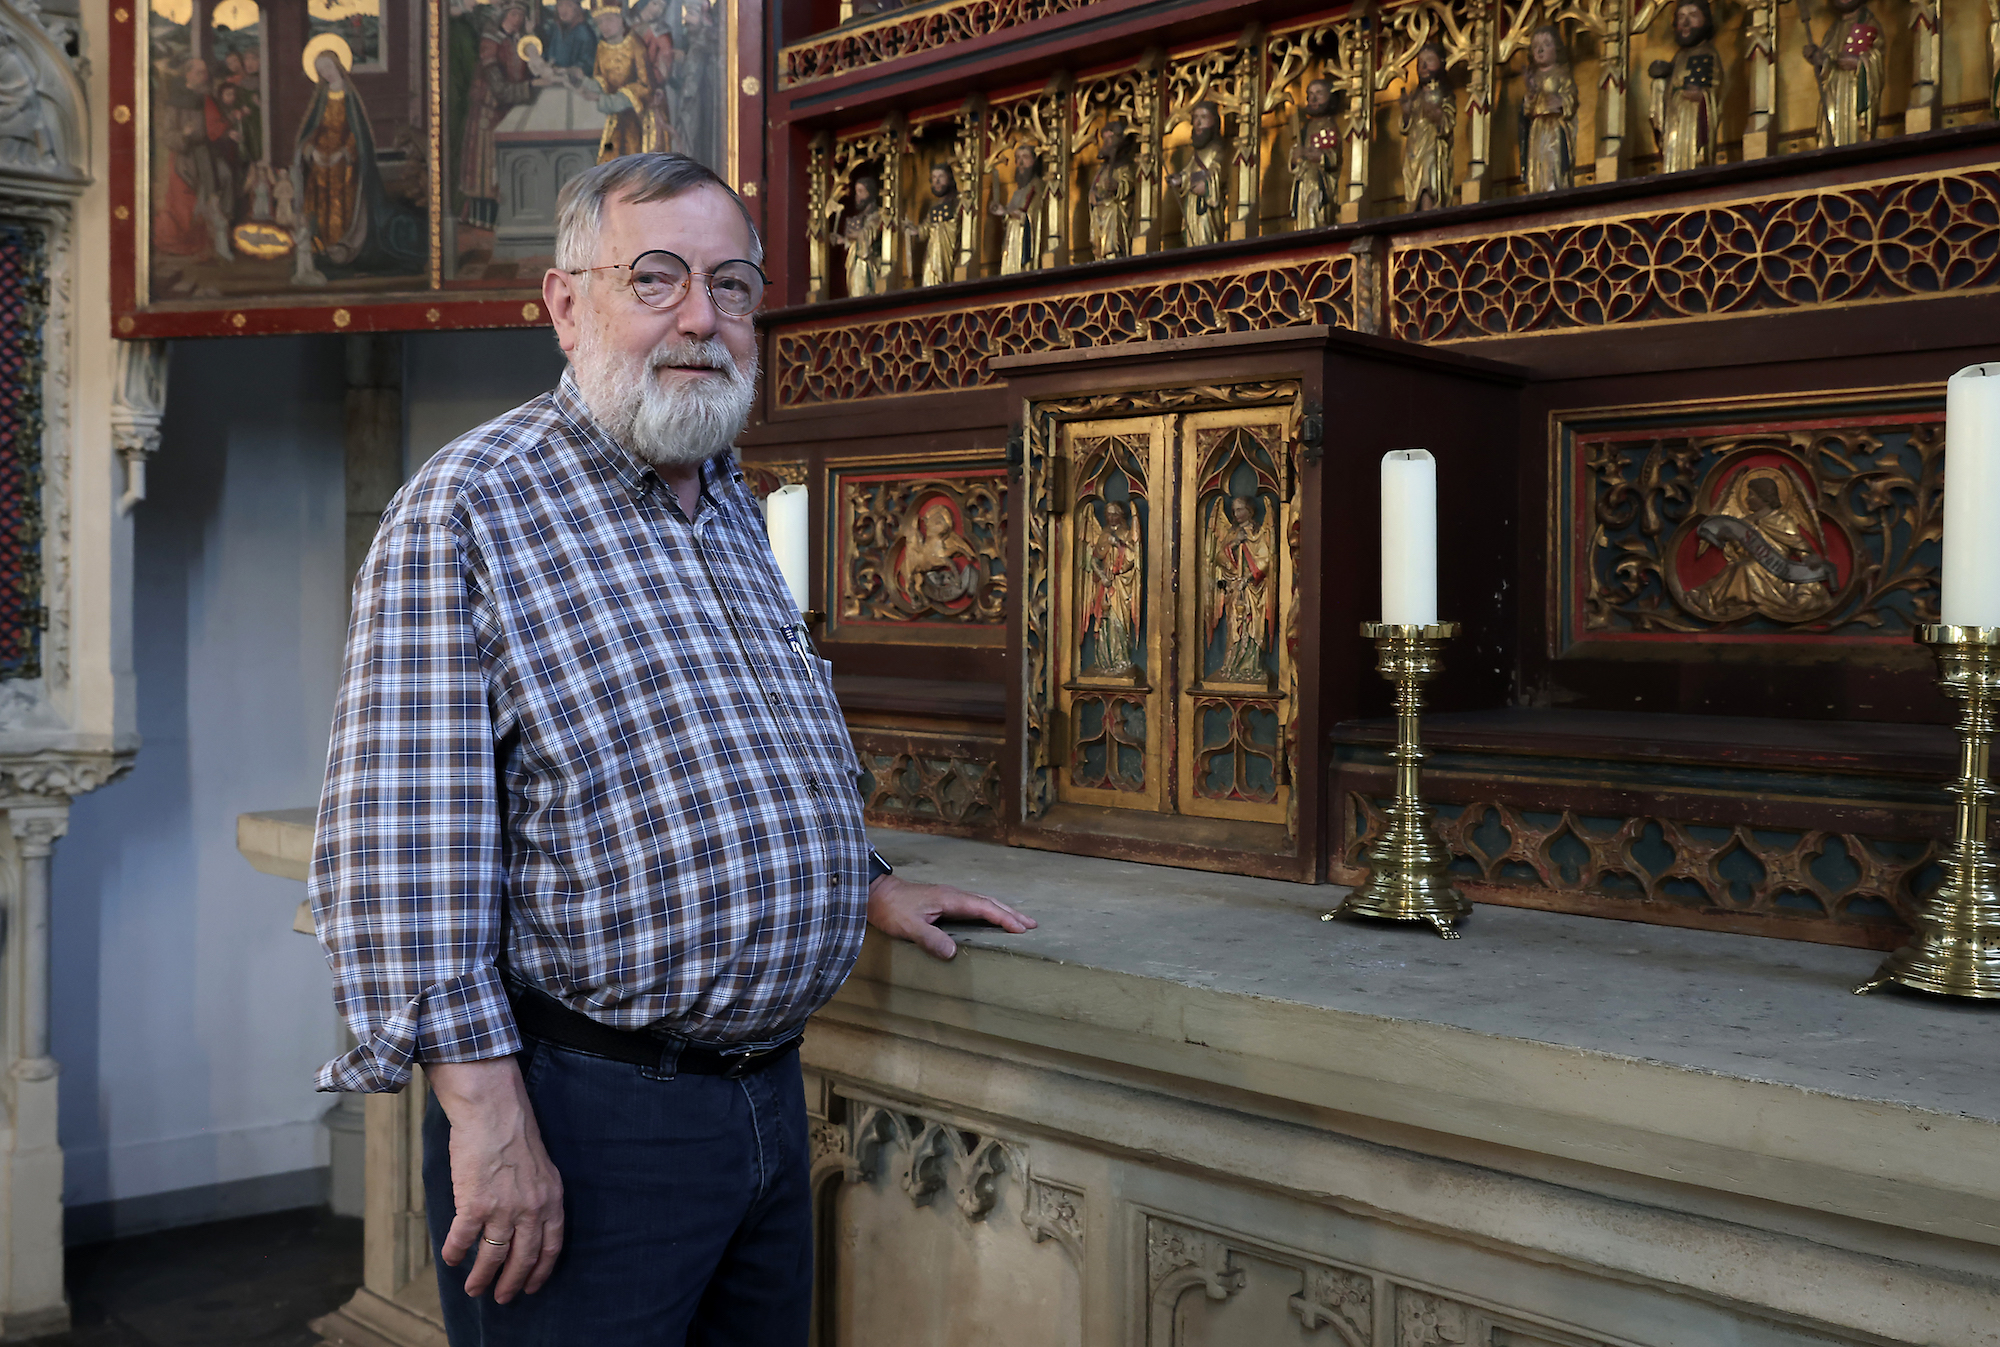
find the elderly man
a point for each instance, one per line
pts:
(590, 849)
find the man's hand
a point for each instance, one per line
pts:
(507, 1194)
(909, 911)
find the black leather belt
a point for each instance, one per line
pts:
(540, 1015)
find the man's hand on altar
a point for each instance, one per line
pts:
(908, 910)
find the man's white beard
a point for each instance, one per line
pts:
(668, 427)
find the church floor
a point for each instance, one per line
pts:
(253, 1282)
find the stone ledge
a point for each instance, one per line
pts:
(1734, 1064)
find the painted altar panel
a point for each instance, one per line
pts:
(1112, 557)
(1787, 526)
(1236, 684)
(919, 553)
(372, 165)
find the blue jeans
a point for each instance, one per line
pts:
(687, 1208)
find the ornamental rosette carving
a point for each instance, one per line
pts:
(1904, 237)
(948, 351)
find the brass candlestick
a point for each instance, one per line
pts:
(1956, 950)
(1408, 868)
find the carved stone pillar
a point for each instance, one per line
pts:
(74, 403)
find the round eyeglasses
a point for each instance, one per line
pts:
(660, 280)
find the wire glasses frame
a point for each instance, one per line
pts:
(660, 279)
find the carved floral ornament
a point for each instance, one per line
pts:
(939, 1163)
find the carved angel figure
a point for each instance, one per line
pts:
(935, 566)
(1112, 588)
(1240, 596)
(1776, 562)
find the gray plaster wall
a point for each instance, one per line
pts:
(188, 1016)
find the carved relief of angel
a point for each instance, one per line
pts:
(935, 566)
(1240, 595)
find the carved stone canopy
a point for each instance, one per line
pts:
(44, 140)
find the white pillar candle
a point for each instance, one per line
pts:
(786, 520)
(1409, 537)
(1971, 581)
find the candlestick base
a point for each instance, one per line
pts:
(1956, 949)
(1408, 867)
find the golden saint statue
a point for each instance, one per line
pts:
(1430, 121)
(940, 228)
(1112, 589)
(1112, 188)
(1021, 212)
(1548, 115)
(1848, 66)
(1204, 184)
(1315, 159)
(1686, 103)
(862, 236)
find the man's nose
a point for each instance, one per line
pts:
(696, 315)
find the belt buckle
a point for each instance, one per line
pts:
(736, 1065)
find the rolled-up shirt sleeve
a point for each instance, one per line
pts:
(406, 880)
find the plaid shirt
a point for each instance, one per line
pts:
(573, 733)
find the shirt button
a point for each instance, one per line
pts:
(812, 784)
(835, 881)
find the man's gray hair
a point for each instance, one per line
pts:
(635, 177)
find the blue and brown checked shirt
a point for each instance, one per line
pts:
(575, 739)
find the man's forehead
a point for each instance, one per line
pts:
(701, 224)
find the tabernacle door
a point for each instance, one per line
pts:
(1238, 620)
(1113, 498)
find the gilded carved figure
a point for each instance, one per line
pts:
(1848, 67)
(1021, 214)
(625, 89)
(940, 227)
(1775, 556)
(1430, 122)
(1315, 160)
(1241, 595)
(861, 236)
(935, 566)
(1548, 115)
(1686, 102)
(1203, 183)
(1113, 185)
(1112, 589)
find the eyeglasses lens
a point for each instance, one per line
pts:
(660, 279)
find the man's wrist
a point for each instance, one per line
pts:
(877, 867)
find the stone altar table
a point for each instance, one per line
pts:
(1185, 1111)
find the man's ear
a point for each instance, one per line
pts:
(560, 298)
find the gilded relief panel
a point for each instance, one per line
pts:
(922, 555)
(1821, 527)
(1111, 706)
(1236, 614)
